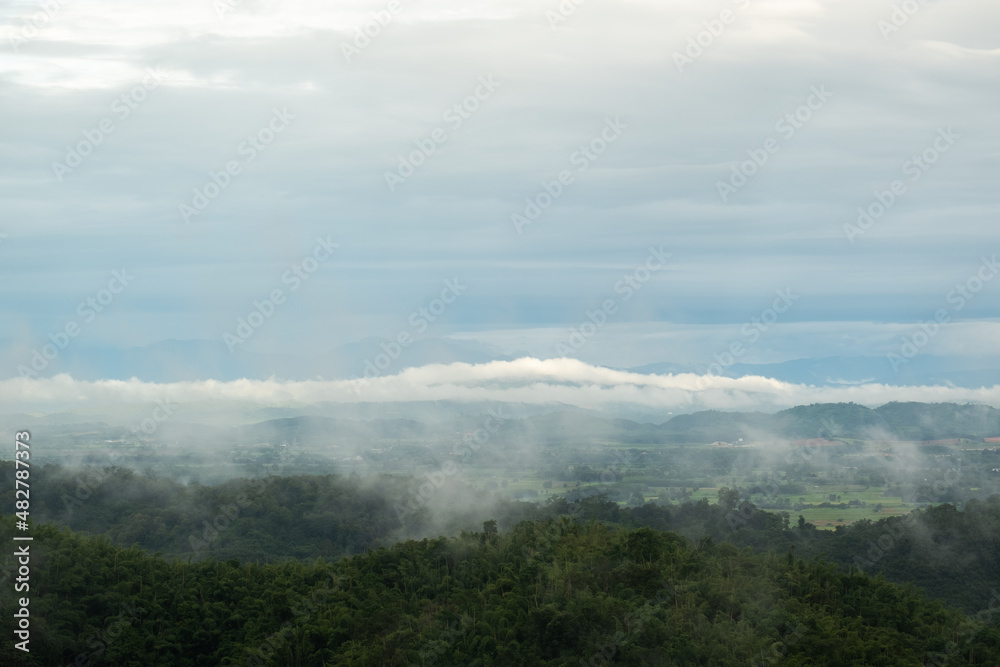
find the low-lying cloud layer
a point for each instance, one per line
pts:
(526, 380)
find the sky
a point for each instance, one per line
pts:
(663, 174)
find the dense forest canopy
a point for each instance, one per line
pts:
(543, 593)
(309, 570)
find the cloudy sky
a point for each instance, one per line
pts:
(679, 170)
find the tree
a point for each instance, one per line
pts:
(489, 530)
(728, 498)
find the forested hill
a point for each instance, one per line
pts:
(899, 421)
(892, 421)
(539, 594)
(902, 421)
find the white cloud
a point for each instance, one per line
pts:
(527, 380)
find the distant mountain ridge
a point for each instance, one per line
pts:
(892, 421)
(901, 421)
